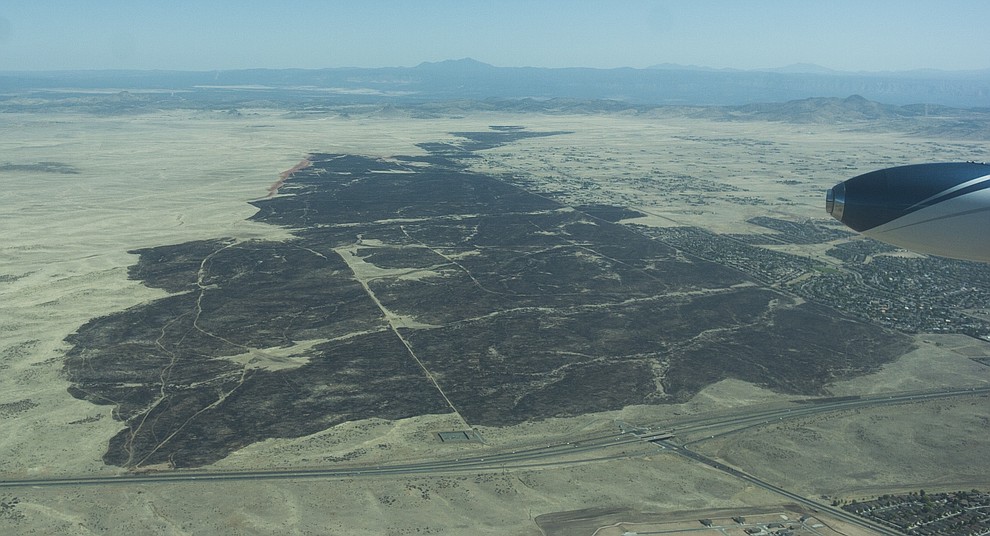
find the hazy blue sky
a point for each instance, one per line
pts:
(226, 34)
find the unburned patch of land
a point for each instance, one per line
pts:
(789, 519)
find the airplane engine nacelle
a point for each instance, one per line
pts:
(940, 209)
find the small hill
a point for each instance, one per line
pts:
(825, 110)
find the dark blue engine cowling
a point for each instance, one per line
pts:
(878, 197)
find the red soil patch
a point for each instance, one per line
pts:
(284, 176)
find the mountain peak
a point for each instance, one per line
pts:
(462, 64)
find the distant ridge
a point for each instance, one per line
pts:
(807, 68)
(826, 110)
(470, 79)
(679, 67)
(812, 68)
(795, 68)
(461, 64)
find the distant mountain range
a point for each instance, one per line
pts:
(811, 68)
(473, 80)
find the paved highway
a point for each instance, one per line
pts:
(586, 450)
(837, 513)
(724, 425)
(605, 448)
(731, 425)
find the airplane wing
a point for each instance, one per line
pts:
(940, 209)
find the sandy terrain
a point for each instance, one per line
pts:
(173, 177)
(699, 522)
(939, 445)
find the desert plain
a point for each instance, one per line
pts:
(81, 192)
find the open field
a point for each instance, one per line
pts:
(81, 192)
(603, 522)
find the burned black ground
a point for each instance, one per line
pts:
(520, 307)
